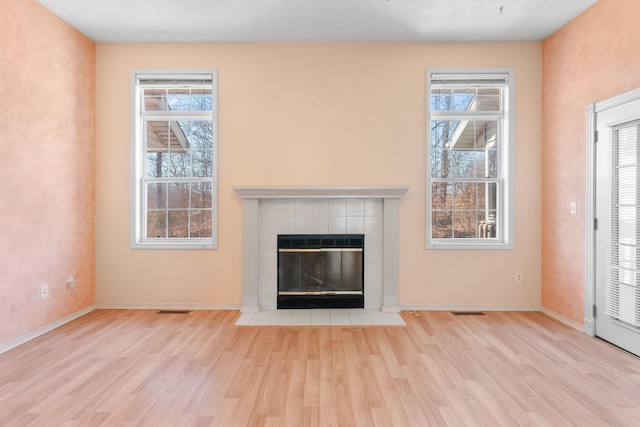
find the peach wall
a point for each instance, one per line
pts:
(590, 59)
(315, 114)
(47, 88)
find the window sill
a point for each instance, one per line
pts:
(173, 245)
(470, 245)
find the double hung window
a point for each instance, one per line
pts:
(469, 203)
(174, 160)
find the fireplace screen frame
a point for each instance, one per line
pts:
(320, 271)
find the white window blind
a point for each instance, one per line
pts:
(470, 80)
(622, 286)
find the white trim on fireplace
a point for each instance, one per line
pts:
(315, 192)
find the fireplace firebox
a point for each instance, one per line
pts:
(320, 271)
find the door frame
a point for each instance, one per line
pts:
(590, 218)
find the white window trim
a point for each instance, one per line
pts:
(506, 241)
(137, 241)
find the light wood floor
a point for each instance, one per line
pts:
(137, 367)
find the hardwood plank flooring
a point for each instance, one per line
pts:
(138, 367)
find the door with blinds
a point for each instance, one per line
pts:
(617, 212)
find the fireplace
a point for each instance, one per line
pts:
(271, 210)
(320, 271)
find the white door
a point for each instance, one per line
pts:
(617, 210)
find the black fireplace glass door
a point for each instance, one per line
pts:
(307, 271)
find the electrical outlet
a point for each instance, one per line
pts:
(518, 277)
(44, 292)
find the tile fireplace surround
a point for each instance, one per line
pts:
(370, 210)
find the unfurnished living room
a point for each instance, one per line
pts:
(320, 212)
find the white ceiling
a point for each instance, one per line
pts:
(316, 20)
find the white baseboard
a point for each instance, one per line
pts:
(43, 330)
(590, 327)
(480, 307)
(166, 306)
(560, 318)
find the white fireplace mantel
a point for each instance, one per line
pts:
(251, 196)
(333, 192)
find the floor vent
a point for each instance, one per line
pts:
(467, 313)
(174, 312)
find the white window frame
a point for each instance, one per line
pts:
(505, 199)
(138, 240)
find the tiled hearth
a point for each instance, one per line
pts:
(269, 211)
(321, 317)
